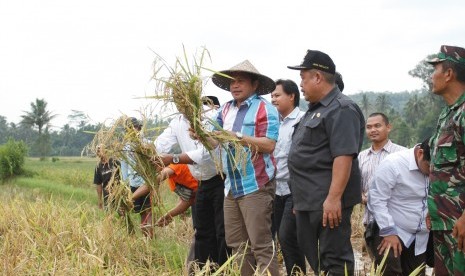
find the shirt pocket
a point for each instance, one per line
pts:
(315, 132)
(446, 154)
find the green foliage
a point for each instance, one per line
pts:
(413, 115)
(12, 156)
(423, 71)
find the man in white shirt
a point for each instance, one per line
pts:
(377, 129)
(210, 243)
(397, 199)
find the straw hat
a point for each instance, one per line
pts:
(266, 85)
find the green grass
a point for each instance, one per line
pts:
(58, 189)
(74, 171)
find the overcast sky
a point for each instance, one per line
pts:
(96, 56)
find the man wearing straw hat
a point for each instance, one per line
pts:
(249, 186)
(324, 175)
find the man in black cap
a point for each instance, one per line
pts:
(323, 166)
(446, 200)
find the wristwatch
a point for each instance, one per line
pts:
(175, 158)
(239, 135)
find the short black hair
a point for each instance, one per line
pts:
(426, 149)
(290, 87)
(459, 69)
(385, 118)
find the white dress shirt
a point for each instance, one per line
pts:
(177, 133)
(281, 151)
(397, 199)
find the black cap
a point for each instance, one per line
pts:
(339, 81)
(316, 60)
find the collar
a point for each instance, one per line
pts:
(249, 100)
(459, 102)
(412, 163)
(445, 112)
(327, 99)
(293, 114)
(386, 147)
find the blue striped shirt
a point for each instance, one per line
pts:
(258, 118)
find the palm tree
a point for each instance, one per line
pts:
(365, 105)
(382, 103)
(412, 110)
(38, 117)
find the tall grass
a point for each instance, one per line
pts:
(46, 229)
(57, 237)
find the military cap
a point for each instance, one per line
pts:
(451, 53)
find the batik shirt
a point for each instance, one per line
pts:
(255, 117)
(446, 200)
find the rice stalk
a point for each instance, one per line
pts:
(124, 143)
(184, 87)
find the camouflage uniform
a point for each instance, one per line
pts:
(446, 200)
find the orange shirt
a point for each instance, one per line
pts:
(182, 176)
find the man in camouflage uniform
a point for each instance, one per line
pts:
(446, 200)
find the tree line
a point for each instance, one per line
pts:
(413, 116)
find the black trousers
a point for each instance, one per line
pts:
(210, 243)
(403, 265)
(284, 220)
(326, 249)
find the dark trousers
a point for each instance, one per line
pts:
(403, 265)
(210, 242)
(326, 249)
(284, 221)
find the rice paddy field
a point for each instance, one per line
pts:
(50, 225)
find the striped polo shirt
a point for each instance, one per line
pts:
(255, 117)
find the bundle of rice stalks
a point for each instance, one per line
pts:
(126, 143)
(120, 200)
(183, 87)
